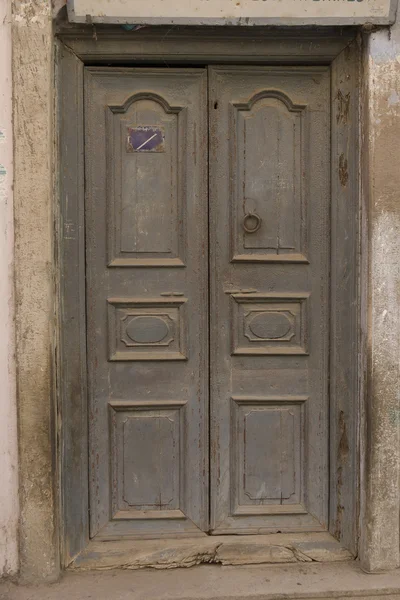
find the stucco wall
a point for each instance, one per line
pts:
(381, 191)
(34, 165)
(8, 420)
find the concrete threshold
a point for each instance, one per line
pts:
(211, 582)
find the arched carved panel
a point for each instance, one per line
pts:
(268, 162)
(145, 182)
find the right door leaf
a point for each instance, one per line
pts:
(269, 270)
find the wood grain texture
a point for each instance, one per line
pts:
(345, 302)
(73, 376)
(207, 45)
(277, 165)
(147, 322)
(284, 378)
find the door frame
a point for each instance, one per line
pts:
(339, 48)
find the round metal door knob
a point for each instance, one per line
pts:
(251, 222)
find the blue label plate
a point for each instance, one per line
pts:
(146, 138)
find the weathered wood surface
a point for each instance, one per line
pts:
(147, 301)
(269, 157)
(285, 414)
(345, 300)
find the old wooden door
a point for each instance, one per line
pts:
(147, 300)
(269, 269)
(149, 280)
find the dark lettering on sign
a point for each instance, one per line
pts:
(146, 138)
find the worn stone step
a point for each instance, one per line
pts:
(224, 550)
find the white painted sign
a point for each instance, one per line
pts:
(233, 12)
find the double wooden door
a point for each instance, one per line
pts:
(207, 244)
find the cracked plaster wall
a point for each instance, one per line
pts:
(33, 111)
(381, 191)
(8, 410)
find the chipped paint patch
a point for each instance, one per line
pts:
(27, 12)
(394, 98)
(342, 115)
(3, 136)
(3, 186)
(343, 170)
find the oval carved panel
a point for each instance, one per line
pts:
(147, 329)
(270, 325)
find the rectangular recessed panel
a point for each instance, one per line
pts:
(150, 329)
(268, 461)
(269, 323)
(146, 458)
(145, 175)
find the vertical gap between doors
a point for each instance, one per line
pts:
(209, 299)
(329, 302)
(86, 296)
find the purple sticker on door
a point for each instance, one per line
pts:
(146, 138)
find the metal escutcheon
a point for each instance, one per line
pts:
(248, 218)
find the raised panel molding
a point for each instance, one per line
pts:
(269, 323)
(145, 146)
(147, 329)
(268, 159)
(146, 459)
(268, 461)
